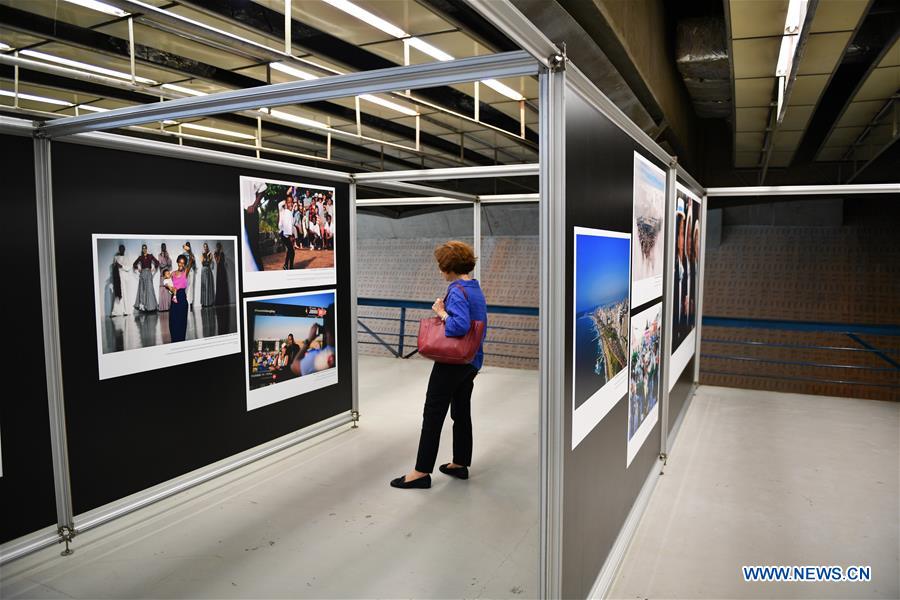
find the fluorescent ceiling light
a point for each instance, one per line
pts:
(99, 6)
(92, 108)
(5, 46)
(294, 118)
(85, 66)
(243, 136)
(388, 104)
(294, 72)
(364, 15)
(182, 90)
(787, 54)
(503, 89)
(36, 98)
(428, 49)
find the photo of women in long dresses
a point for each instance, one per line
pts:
(165, 264)
(146, 266)
(207, 286)
(144, 300)
(223, 292)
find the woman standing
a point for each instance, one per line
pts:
(165, 264)
(207, 287)
(146, 264)
(119, 272)
(223, 294)
(450, 386)
(178, 312)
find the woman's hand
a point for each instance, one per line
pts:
(439, 309)
(313, 334)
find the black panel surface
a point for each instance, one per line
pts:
(129, 433)
(679, 394)
(27, 483)
(599, 490)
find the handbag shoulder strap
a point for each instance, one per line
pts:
(462, 289)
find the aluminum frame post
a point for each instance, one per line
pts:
(702, 264)
(476, 237)
(552, 152)
(354, 303)
(668, 305)
(65, 519)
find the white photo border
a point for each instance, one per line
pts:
(264, 281)
(587, 416)
(649, 288)
(272, 394)
(636, 442)
(138, 360)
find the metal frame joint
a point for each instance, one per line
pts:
(66, 535)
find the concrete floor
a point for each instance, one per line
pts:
(320, 521)
(772, 479)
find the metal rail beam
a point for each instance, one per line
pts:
(520, 170)
(804, 190)
(496, 66)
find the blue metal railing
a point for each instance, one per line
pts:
(852, 331)
(399, 347)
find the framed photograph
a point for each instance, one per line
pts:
(648, 231)
(688, 230)
(163, 300)
(289, 231)
(600, 316)
(643, 384)
(292, 345)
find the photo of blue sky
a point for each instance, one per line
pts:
(601, 270)
(276, 327)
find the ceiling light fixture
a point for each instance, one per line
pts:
(388, 104)
(292, 71)
(417, 43)
(34, 98)
(85, 66)
(92, 108)
(182, 90)
(5, 46)
(294, 118)
(99, 6)
(787, 55)
(227, 132)
(364, 15)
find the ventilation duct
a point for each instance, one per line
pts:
(702, 58)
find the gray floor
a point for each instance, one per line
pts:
(319, 521)
(772, 479)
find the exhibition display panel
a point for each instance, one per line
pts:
(170, 391)
(615, 235)
(173, 366)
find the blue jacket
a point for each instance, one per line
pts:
(461, 312)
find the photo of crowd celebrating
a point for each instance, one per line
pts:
(643, 390)
(158, 290)
(292, 346)
(687, 261)
(288, 227)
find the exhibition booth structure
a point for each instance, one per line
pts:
(236, 347)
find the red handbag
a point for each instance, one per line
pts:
(436, 345)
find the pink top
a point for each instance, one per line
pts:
(179, 280)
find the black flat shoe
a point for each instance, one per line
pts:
(458, 472)
(422, 483)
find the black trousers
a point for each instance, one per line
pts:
(289, 246)
(450, 386)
